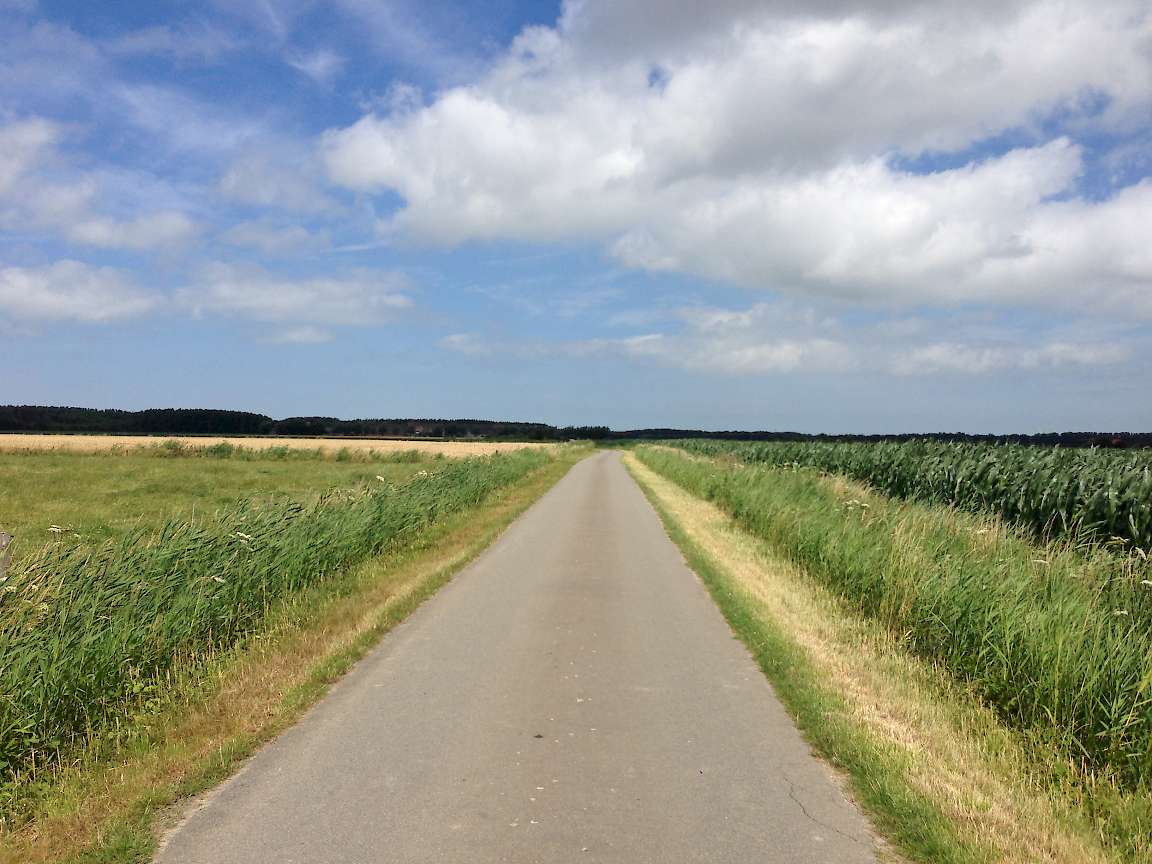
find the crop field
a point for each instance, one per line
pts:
(382, 447)
(180, 557)
(52, 496)
(1087, 493)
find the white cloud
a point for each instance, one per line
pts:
(188, 42)
(301, 336)
(322, 66)
(275, 177)
(71, 290)
(360, 298)
(775, 338)
(466, 343)
(40, 190)
(22, 144)
(20, 6)
(182, 122)
(784, 338)
(760, 144)
(165, 229)
(273, 239)
(983, 233)
(976, 359)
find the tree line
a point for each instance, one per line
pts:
(203, 421)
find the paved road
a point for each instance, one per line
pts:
(572, 696)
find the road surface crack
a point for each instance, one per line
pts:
(792, 794)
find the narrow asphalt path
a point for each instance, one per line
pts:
(572, 696)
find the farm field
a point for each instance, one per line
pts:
(356, 446)
(1054, 637)
(98, 497)
(1083, 493)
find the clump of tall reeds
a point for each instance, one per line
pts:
(85, 630)
(1057, 638)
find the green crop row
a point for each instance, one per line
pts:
(1057, 639)
(86, 630)
(1083, 492)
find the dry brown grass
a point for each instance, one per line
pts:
(254, 696)
(12, 442)
(951, 749)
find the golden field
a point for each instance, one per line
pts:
(11, 442)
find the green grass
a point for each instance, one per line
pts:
(86, 631)
(101, 496)
(111, 802)
(906, 817)
(1057, 642)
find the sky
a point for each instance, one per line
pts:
(812, 215)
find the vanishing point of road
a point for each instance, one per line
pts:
(572, 696)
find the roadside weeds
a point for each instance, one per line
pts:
(106, 808)
(940, 777)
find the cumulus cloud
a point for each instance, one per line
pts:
(360, 298)
(71, 291)
(767, 145)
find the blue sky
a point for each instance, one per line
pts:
(868, 216)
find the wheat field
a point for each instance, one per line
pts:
(15, 442)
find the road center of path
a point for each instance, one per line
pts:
(573, 695)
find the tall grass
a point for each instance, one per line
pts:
(1058, 640)
(85, 631)
(1083, 492)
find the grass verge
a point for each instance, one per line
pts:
(1057, 639)
(938, 773)
(105, 808)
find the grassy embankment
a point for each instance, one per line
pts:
(230, 628)
(988, 696)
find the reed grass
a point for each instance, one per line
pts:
(86, 632)
(1057, 639)
(101, 496)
